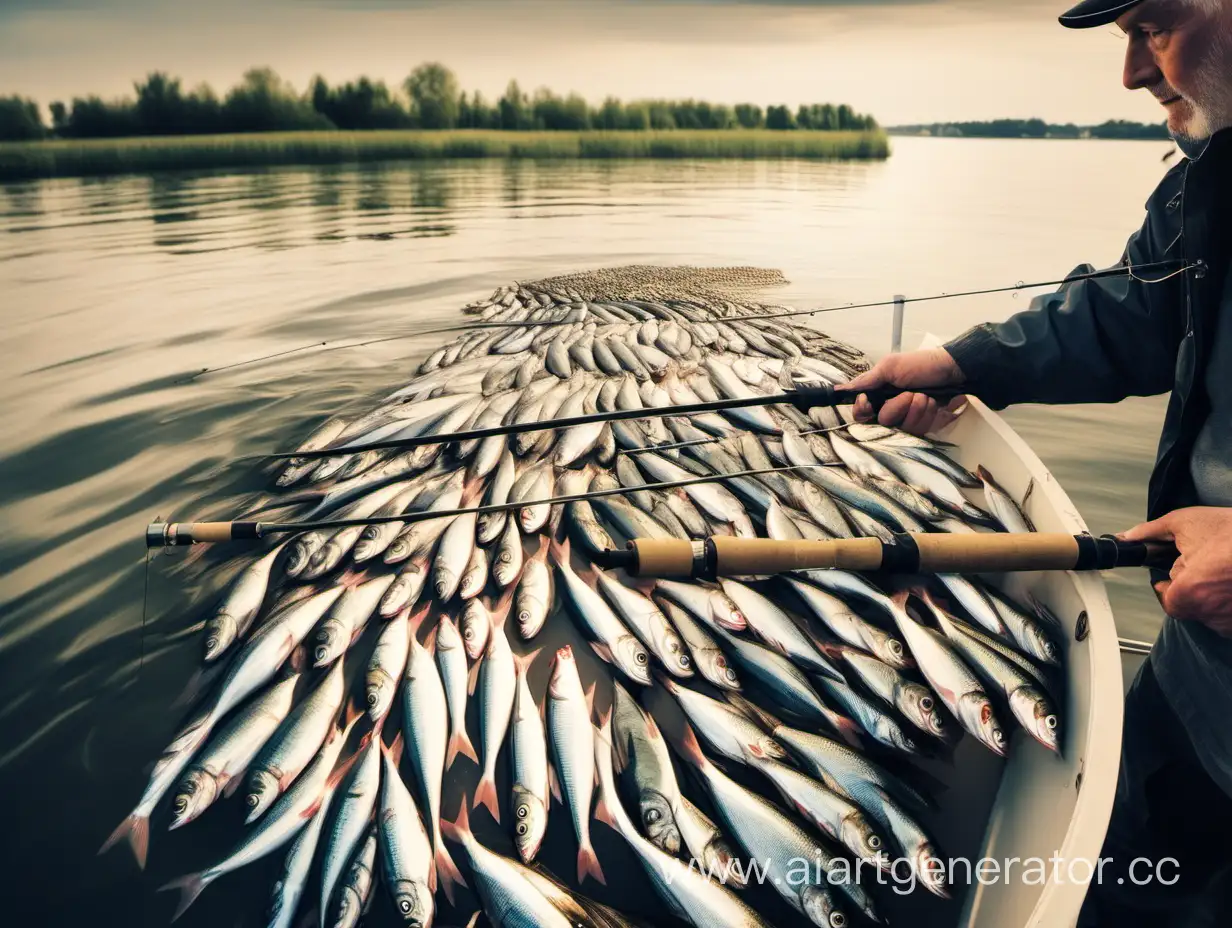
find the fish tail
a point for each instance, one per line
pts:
(190, 888)
(588, 864)
(523, 662)
(485, 795)
(447, 874)
(460, 743)
(136, 828)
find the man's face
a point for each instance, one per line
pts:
(1182, 53)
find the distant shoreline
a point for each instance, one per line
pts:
(94, 157)
(1113, 129)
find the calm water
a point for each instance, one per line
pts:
(112, 291)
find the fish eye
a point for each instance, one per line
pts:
(524, 615)
(211, 643)
(468, 633)
(998, 736)
(1051, 722)
(181, 804)
(321, 653)
(730, 674)
(373, 699)
(523, 811)
(251, 800)
(896, 648)
(874, 842)
(652, 816)
(926, 703)
(838, 920)
(685, 660)
(640, 657)
(522, 828)
(404, 906)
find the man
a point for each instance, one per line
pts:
(1104, 340)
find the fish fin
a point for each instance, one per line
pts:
(588, 865)
(756, 713)
(590, 699)
(299, 659)
(1044, 613)
(690, 750)
(500, 609)
(342, 769)
(417, 618)
(559, 549)
(195, 628)
(554, 784)
(460, 828)
(395, 747)
(603, 651)
(460, 743)
(190, 888)
(351, 714)
(522, 662)
(472, 677)
(136, 828)
(447, 874)
(602, 813)
(474, 919)
(485, 795)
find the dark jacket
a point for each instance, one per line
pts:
(1100, 341)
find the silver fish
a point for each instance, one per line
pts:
(914, 701)
(608, 635)
(768, 835)
(289, 751)
(497, 683)
(451, 661)
(424, 722)
(571, 747)
(357, 794)
(535, 593)
(404, 592)
(507, 565)
(641, 752)
(851, 627)
(701, 899)
(346, 619)
(286, 819)
(773, 626)
(386, 664)
(356, 889)
(225, 758)
(708, 657)
(406, 851)
(650, 625)
(293, 879)
(240, 605)
(452, 556)
(529, 753)
(951, 679)
(729, 732)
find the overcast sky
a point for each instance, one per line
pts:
(902, 60)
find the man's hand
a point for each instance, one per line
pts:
(1200, 585)
(912, 412)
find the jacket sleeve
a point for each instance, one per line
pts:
(1091, 341)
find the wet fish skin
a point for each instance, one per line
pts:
(385, 666)
(570, 736)
(642, 753)
(357, 884)
(451, 662)
(529, 752)
(229, 753)
(292, 747)
(535, 594)
(239, 606)
(708, 657)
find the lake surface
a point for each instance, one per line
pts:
(114, 291)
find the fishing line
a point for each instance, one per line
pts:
(1126, 270)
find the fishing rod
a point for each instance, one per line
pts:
(177, 534)
(802, 399)
(908, 553)
(1172, 267)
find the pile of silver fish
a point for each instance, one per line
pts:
(344, 663)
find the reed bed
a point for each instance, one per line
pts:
(67, 158)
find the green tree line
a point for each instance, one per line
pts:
(1039, 129)
(429, 98)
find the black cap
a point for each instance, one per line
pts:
(1090, 13)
